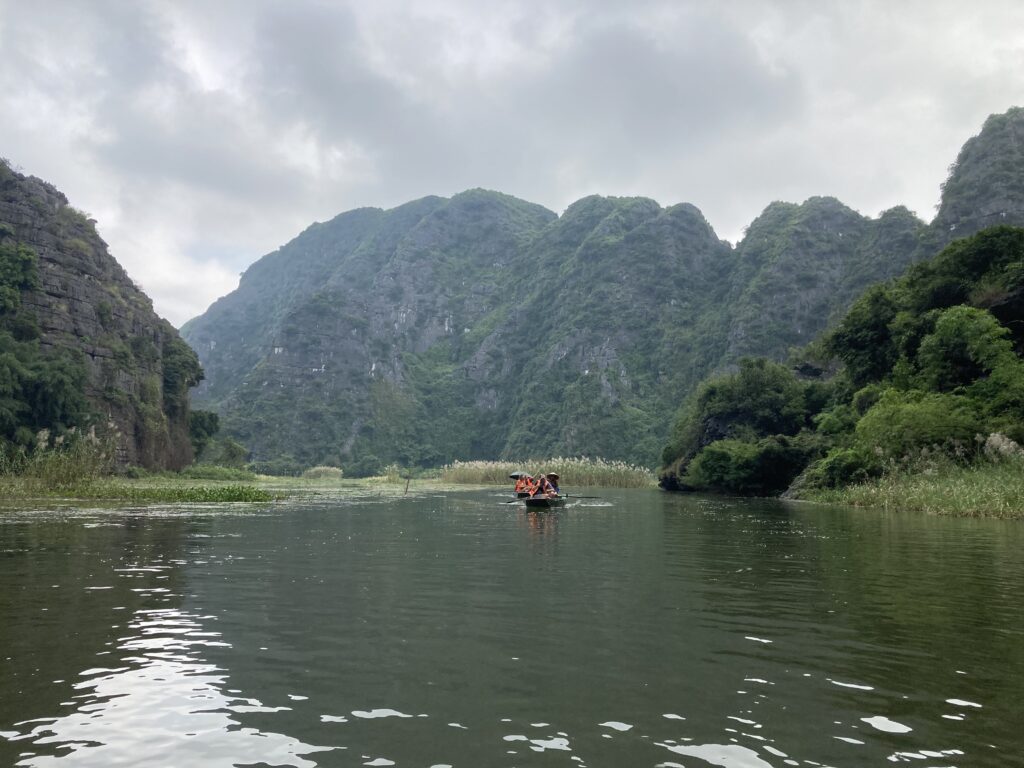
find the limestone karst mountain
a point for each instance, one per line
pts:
(80, 344)
(484, 326)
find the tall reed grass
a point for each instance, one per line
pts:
(941, 486)
(77, 463)
(82, 469)
(571, 471)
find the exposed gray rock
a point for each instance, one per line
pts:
(86, 303)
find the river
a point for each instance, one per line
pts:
(449, 629)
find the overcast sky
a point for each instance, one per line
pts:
(202, 135)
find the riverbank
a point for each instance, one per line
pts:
(168, 487)
(978, 490)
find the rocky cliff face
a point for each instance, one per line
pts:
(799, 264)
(138, 369)
(986, 183)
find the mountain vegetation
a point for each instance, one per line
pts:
(81, 350)
(930, 363)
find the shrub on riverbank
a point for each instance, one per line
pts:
(571, 471)
(213, 472)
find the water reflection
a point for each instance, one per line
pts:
(541, 525)
(453, 630)
(164, 699)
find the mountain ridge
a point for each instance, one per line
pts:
(481, 325)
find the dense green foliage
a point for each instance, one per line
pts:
(930, 362)
(227, 452)
(764, 467)
(202, 426)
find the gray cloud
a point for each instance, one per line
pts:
(204, 135)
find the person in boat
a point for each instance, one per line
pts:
(552, 479)
(545, 487)
(524, 482)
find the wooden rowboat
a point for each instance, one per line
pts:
(544, 502)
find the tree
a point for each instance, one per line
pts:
(967, 344)
(902, 423)
(202, 426)
(863, 340)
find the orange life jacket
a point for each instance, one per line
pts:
(543, 485)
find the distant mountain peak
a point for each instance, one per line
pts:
(482, 325)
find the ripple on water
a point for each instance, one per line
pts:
(372, 714)
(850, 685)
(689, 656)
(962, 703)
(724, 755)
(163, 676)
(616, 725)
(885, 724)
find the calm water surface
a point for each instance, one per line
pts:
(452, 630)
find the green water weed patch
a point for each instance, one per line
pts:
(168, 493)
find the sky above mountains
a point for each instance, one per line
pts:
(204, 135)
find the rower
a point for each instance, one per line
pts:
(545, 486)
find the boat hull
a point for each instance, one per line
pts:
(544, 502)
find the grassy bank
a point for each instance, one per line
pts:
(580, 472)
(944, 488)
(83, 470)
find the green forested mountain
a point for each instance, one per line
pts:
(484, 326)
(798, 265)
(80, 345)
(931, 362)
